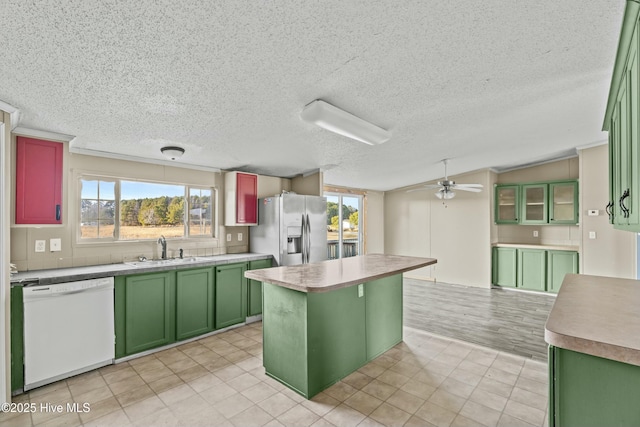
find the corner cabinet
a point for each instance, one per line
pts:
(38, 181)
(254, 288)
(537, 203)
(241, 199)
(621, 121)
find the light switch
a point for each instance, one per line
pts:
(592, 234)
(593, 212)
(40, 245)
(55, 245)
(239, 237)
(228, 237)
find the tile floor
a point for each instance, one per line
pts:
(219, 381)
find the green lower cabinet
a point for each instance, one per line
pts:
(17, 340)
(149, 311)
(532, 269)
(195, 302)
(560, 263)
(312, 340)
(144, 312)
(383, 332)
(254, 296)
(588, 391)
(504, 270)
(231, 295)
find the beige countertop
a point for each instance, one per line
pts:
(334, 274)
(536, 246)
(597, 315)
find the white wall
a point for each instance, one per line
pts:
(613, 252)
(374, 222)
(75, 254)
(456, 233)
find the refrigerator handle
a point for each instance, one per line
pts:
(308, 239)
(304, 240)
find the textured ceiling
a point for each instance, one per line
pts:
(496, 83)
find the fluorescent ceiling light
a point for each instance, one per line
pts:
(341, 122)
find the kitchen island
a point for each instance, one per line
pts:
(594, 354)
(325, 320)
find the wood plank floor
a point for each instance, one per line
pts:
(504, 320)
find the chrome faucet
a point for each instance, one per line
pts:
(162, 241)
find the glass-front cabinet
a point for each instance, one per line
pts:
(563, 198)
(534, 204)
(507, 209)
(550, 202)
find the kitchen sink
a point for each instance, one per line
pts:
(168, 261)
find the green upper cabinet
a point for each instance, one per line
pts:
(539, 203)
(195, 302)
(563, 202)
(621, 121)
(534, 204)
(231, 295)
(507, 204)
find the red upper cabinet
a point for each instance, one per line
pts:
(241, 199)
(38, 181)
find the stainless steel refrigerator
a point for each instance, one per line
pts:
(292, 228)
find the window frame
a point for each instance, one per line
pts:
(86, 176)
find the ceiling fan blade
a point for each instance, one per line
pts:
(470, 185)
(471, 189)
(425, 187)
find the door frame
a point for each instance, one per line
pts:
(4, 271)
(361, 201)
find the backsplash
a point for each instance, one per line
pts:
(81, 255)
(564, 235)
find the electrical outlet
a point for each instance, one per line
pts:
(593, 212)
(55, 245)
(41, 245)
(535, 233)
(239, 237)
(592, 234)
(360, 290)
(228, 237)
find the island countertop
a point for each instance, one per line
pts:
(597, 316)
(334, 274)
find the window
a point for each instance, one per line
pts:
(113, 209)
(97, 209)
(199, 212)
(344, 225)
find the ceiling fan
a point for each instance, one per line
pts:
(446, 187)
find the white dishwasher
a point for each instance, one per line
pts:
(68, 329)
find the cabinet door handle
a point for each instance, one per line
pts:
(625, 211)
(608, 211)
(58, 213)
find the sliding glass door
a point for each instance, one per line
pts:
(344, 225)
